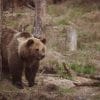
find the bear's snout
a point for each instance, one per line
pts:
(40, 57)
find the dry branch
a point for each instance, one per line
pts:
(22, 27)
(69, 72)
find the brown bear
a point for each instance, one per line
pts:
(21, 50)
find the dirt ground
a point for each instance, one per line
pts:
(48, 88)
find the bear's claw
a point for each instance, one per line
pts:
(32, 84)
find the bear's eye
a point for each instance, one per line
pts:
(43, 50)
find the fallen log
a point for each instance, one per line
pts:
(87, 84)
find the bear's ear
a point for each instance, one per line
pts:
(30, 42)
(43, 40)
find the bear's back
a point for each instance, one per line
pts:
(9, 41)
(7, 35)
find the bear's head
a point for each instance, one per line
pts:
(32, 49)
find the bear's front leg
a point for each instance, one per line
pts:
(30, 73)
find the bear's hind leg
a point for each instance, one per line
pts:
(17, 77)
(16, 70)
(5, 69)
(16, 80)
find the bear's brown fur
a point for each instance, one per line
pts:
(21, 50)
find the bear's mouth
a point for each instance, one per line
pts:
(33, 57)
(40, 57)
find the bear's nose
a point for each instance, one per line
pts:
(37, 49)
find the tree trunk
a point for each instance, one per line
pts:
(40, 14)
(37, 22)
(72, 39)
(43, 12)
(1, 10)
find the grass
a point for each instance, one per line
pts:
(55, 10)
(97, 46)
(62, 22)
(12, 23)
(62, 73)
(59, 69)
(63, 17)
(83, 69)
(78, 68)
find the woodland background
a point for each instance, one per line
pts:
(71, 69)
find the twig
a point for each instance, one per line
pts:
(69, 71)
(29, 6)
(22, 28)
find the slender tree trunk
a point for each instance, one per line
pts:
(40, 17)
(1, 10)
(43, 12)
(38, 21)
(72, 39)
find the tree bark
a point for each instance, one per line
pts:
(37, 21)
(1, 10)
(40, 14)
(72, 39)
(43, 13)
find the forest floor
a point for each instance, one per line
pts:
(58, 86)
(50, 88)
